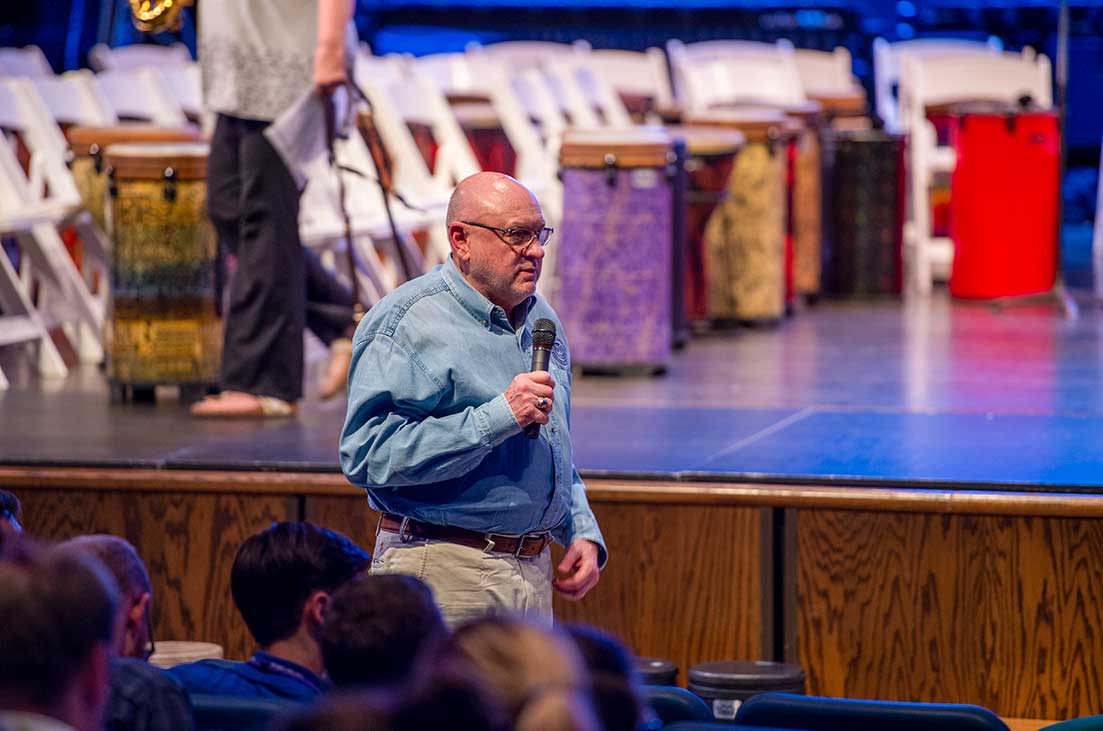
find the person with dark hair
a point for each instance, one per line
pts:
(374, 628)
(281, 580)
(614, 681)
(57, 622)
(143, 697)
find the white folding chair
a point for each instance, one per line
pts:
(141, 94)
(34, 206)
(682, 55)
(739, 79)
(102, 57)
(520, 55)
(75, 98)
(28, 61)
(887, 67)
(825, 72)
(20, 321)
(630, 72)
(946, 79)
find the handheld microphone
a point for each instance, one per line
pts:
(543, 338)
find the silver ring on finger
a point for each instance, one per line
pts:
(542, 403)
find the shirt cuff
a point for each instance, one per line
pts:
(567, 534)
(496, 421)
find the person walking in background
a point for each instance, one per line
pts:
(256, 59)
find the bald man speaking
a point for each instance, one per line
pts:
(440, 394)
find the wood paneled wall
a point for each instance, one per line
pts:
(993, 598)
(187, 541)
(1004, 612)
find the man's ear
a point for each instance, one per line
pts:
(314, 611)
(461, 247)
(136, 623)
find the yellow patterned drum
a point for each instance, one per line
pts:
(87, 145)
(745, 237)
(163, 328)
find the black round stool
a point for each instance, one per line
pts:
(725, 685)
(655, 671)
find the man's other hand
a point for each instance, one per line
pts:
(531, 396)
(578, 572)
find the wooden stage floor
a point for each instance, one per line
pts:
(930, 393)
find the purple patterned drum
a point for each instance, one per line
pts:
(615, 257)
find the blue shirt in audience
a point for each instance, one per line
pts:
(261, 676)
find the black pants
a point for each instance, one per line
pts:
(277, 286)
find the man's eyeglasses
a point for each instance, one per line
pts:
(519, 239)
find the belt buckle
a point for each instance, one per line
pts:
(521, 543)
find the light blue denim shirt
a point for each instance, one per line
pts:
(429, 432)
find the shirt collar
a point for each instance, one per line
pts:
(472, 299)
(293, 670)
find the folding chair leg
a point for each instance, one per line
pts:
(16, 303)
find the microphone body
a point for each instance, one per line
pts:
(543, 339)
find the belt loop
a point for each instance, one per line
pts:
(520, 546)
(489, 543)
(403, 536)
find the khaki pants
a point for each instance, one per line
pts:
(469, 583)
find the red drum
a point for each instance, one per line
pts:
(616, 248)
(1005, 187)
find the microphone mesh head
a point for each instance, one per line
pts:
(543, 334)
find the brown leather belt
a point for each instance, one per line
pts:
(525, 546)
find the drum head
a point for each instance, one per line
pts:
(758, 124)
(150, 160)
(623, 147)
(706, 141)
(81, 138)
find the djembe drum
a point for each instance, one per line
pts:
(163, 327)
(87, 145)
(615, 262)
(745, 238)
(710, 156)
(865, 213)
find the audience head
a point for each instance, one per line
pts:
(282, 578)
(614, 681)
(11, 515)
(443, 699)
(57, 618)
(534, 672)
(134, 621)
(374, 627)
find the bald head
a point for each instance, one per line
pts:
(487, 194)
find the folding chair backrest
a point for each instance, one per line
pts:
(140, 94)
(825, 72)
(28, 61)
(520, 55)
(138, 55)
(24, 111)
(887, 59)
(565, 85)
(758, 80)
(1003, 77)
(631, 72)
(75, 98)
(707, 50)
